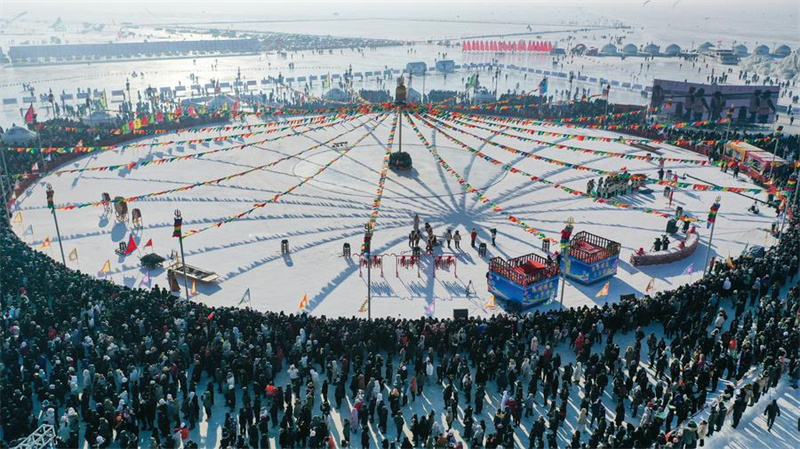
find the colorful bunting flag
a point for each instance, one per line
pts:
(363, 307)
(106, 267)
(689, 269)
(18, 217)
(603, 291)
(245, 297)
(303, 303)
(45, 243)
(131, 246)
(650, 286)
(73, 255)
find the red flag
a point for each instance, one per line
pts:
(178, 112)
(211, 316)
(30, 116)
(190, 110)
(131, 246)
(149, 243)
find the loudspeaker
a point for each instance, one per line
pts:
(628, 297)
(460, 313)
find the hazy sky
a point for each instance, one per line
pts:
(728, 17)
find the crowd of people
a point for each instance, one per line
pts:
(109, 365)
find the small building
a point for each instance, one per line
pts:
(782, 51)
(740, 50)
(17, 135)
(630, 50)
(705, 47)
(446, 66)
(336, 94)
(672, 50)
(761, 50)
(416, 68)
(483, 96)
(413, 96)
(97, 118)
(652, 49)
(608, 50)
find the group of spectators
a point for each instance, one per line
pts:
(106, 364)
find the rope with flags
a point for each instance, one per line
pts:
(510, 168)
(212, 181)
(469, 189)
(376, 203)
(643, 178)
(90, 149)
(167, 160)
(291, 189)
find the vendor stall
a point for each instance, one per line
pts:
(524, 281)
(590, 258)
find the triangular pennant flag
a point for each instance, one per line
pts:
(193, 291)
(149, 244)
(73, 255)
(729, 262)
(106, 267)
(744, 251)
(131, 245)
(650, 286)
(45, 243)
(146, 280)
(689, 269)
(304, 302)
(30, 115)
(28, 230)
(603, 291)
(363, 307)
(245, 297)
(491, 304)
(18, 217)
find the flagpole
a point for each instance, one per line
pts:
(183, 258)
(50, 204)
(5, 198)
(710, 239)
(368, 252)
(788, 204)
(6, 173)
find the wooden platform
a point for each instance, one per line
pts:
(195, 273)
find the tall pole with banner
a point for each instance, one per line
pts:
(367, 251)
(52, 207)
(566, 233)
(178, 233)
(712, 220)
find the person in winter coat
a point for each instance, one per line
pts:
(398, 423)
(689, 435)
(702, 432)
(457, 239)
(582, 420)
(473, 235)
(771, 412)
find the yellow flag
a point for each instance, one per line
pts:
(304, 302)
(491, 303)
(363, 307)
(603, 291)
(193, 291)
(46, 243)
(73, 255)
(18, 217)
(106, 267)
(650, 286)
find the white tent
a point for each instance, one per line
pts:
(17, 135)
